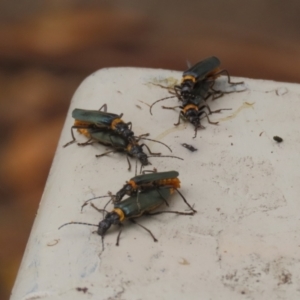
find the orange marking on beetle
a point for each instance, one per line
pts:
(128, 148)
(133, 184)
(115, 122)
(84, 132)
(188, 77)
(120, 213)
(190, 106)
(81, 123)
(174, 182)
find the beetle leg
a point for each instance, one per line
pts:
(209, 121)
(163, 197)
(104, 106)
(73, 138)
(88, 142)
(185, 201)
(207, 106)
(177, 89)
(98, 209)
(119, 234)
(228, 77)
(87, 201)
(135, 222)
(141, 136)
(129, 164)
(149, 150)
(218, 93)
(105, 153)
(103, 211)
(180, 114)
(196, 131)
(213, 111)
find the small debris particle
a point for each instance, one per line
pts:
(261, 133)
(189, 147)
(184, 262)
(281, 91)
(53, 243)
(84, 290)
(278, 139)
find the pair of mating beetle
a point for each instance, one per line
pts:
(147, 191)
(109, 129)
(196, 87)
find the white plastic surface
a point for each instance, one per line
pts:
(244, 242)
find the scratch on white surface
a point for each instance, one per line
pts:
(38, 295)
(245, 105)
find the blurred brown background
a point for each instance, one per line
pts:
(48, 47)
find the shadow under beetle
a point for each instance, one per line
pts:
(133, 208)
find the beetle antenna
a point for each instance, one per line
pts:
(172, 156)
(162, 99)
(86, 202)
(158, 142)
(80, 223)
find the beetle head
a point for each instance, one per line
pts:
(123, 130)
(110, 219)
(137, 151)
(125, 190)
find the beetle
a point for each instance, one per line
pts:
(143, 182)
(118, 143)
(131, 209)
(205, 70)
(193, 108)
(100, 119)
(148, 181)
(97, 119)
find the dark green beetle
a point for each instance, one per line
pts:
(93, 119)
(132, 208)
(195, 88)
